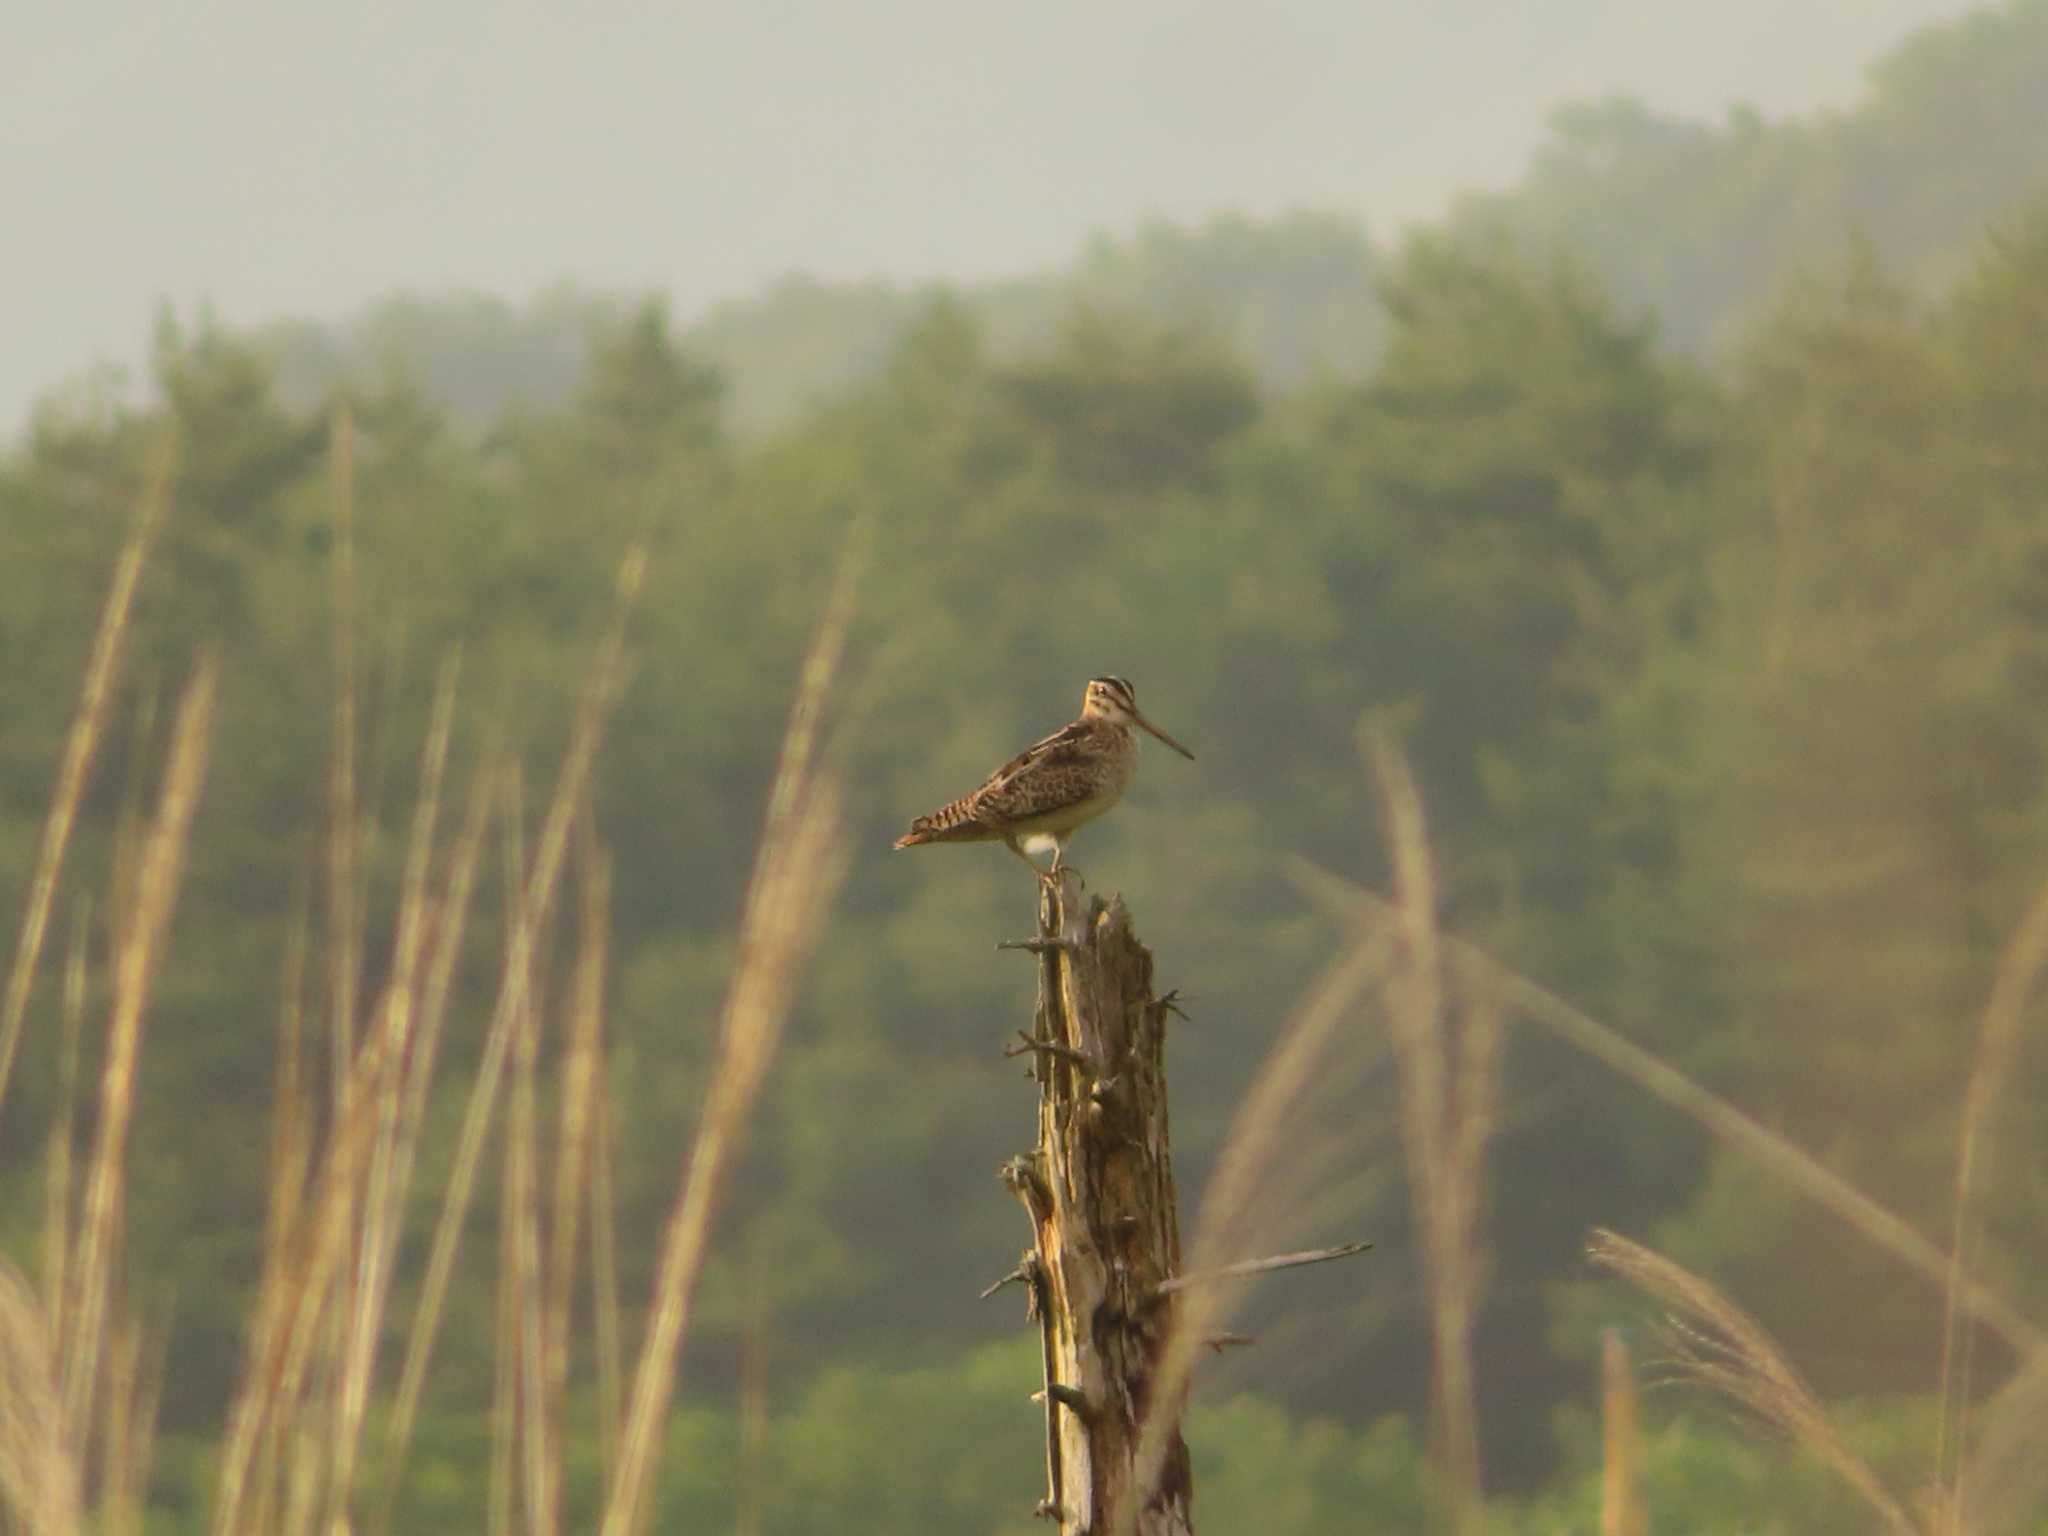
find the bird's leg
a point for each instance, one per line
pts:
(1045, 876)
(1060, 866)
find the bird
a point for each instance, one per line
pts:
(1053, 787)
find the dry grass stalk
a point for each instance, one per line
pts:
(796, 868)
(1239, 1203)
(604, 1282)
(541, 1451)
(450, 918)
(279, 1415)
(501, 1499)
(57, 1234)
(129, 826)
(1449, 1089)
(147, 1395)
(289, 1373)
(1716, 1344)
(291, 1150)
(95, 699)
(121, 1432)
(2015, 984)
(498, 1492)
(576, 1120)
(381, 1207)
(1621, 1499)
(306, 1464)
(273, 1430)
(344, 937)
(124, 1364)
(344, 912)
(134, 966)
(520, 1215)
(1526, 999)
(300, 1280)
(291, 1123)
(572, 784)
(40, 1485)
(508, 1489)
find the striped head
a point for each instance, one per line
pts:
(1114, 700)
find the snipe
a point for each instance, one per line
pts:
(1047, 791)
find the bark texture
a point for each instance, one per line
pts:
(1100, 1194)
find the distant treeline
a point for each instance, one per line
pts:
(1693, 225)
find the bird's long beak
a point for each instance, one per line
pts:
(1183, 751)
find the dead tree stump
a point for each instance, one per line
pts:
(1099, 1191)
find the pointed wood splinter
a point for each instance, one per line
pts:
(1260, 1266)
(1026, 1273)
(1039, 946)
(1026, 1046)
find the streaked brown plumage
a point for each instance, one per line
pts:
(1054, 786)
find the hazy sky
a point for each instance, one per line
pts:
(276, 158)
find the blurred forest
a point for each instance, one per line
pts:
(1687, 505)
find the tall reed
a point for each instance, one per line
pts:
(572, 783)
(135, 964)
(2015, 984)
(1445, 1031)
(95, 700)
(1240, 1207)
(41, 1484)
(796, 870)
(1715, 1343)
(1797, 1168)
(381, 1206)
(1621, 1499)
(576, 1130)
(57, 1225)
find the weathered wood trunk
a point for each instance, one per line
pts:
(1099, 1190)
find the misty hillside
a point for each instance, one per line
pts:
(1293, 295)
(1695, 224)
(1698, 224)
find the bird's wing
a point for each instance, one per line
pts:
(1019, 787)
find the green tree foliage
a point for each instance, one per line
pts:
(1129, 412)
(1706, 1474)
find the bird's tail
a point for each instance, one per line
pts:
(953, 823)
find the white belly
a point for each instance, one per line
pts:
(1063, 821)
